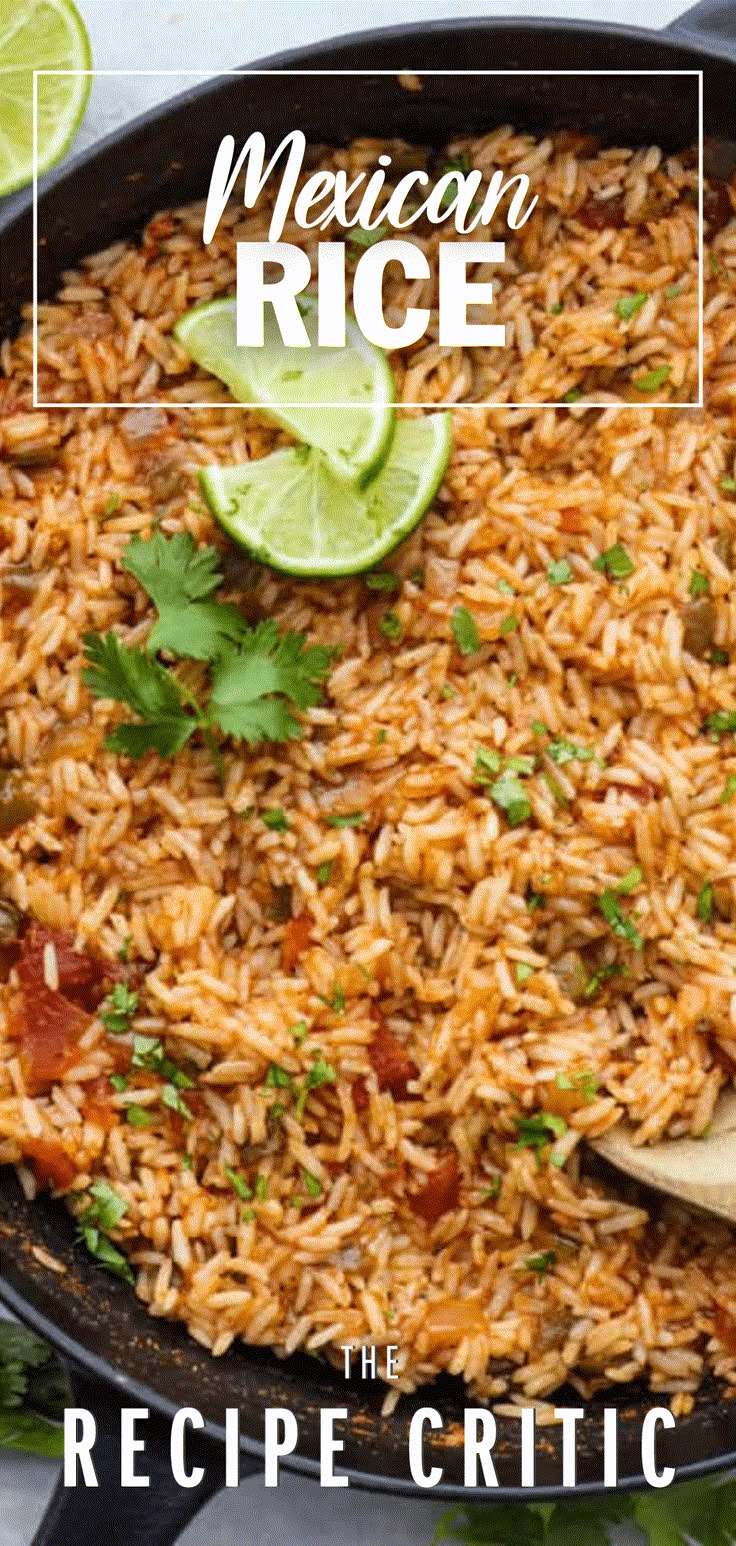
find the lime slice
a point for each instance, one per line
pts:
(290, 511)
(339, 400)
(39, 35)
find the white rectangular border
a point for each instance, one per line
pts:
(214, 75)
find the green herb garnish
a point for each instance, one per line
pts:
(699, 584)
(510, 797)
(238, 1183)
(653, 379)
(348, 819)
(537, 1131)
(619, 921)
(706, 902)
(629, 305)
(258, 677)
(275, 819)
(465, 631)
(121, 1006)
(391, 627)
(559, 572)
(615, 562)
(541, 1263)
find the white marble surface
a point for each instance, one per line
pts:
(212, 35)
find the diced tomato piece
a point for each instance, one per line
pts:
(51, 1162)
(48, 1027)
(297, 935)
(440, 1191)
(80, 978)
(361, 1098)
(717, 207)
(97, 1103)
(390, 1061)
(602, 214)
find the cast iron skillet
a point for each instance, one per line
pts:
(120, 1354)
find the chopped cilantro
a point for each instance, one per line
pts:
(465, 631)
(615, 562)
(617, 920)
(358, 237)
(122, 1004)
(504, 587)
(509, 624)
(320, 1073)
(573, 396)
(729, 790)
(175, 1102)
(559, 572)
(324, 872)
(541, 1263)
(537, 1131)
(728, 485)
(238, 1183)
(555, 309)
(699, 584)
(654, 379)
(585, 1082)
(509, 795)
(566, 751)
(629, 305)
(705, 903)
(138, 1116)
(111, 506)
(348, 819)
(722, 722)
(382, 579)
(630, 881)
(487, 765)
(275, 819)
(522, 972)
(311, 1183)
(391, 627)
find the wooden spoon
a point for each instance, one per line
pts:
(701, 1171)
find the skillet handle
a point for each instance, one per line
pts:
(707, 23)
(110, 1515)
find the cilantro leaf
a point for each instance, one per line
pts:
(179, 577)
(465, 631)
(583, 1522)
(619, 921)
(31, 1433)
(504, 1524)
(255, 685)
(508, 794)
(130, 676)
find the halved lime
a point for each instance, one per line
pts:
(290, 511)
(340, 400)
(39, 35)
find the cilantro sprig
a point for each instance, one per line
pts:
(259, 679)
(701, 1511)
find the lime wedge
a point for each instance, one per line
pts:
(339, 400)
(290, 511)
(39, 35)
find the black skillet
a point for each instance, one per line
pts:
(119, 1354)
